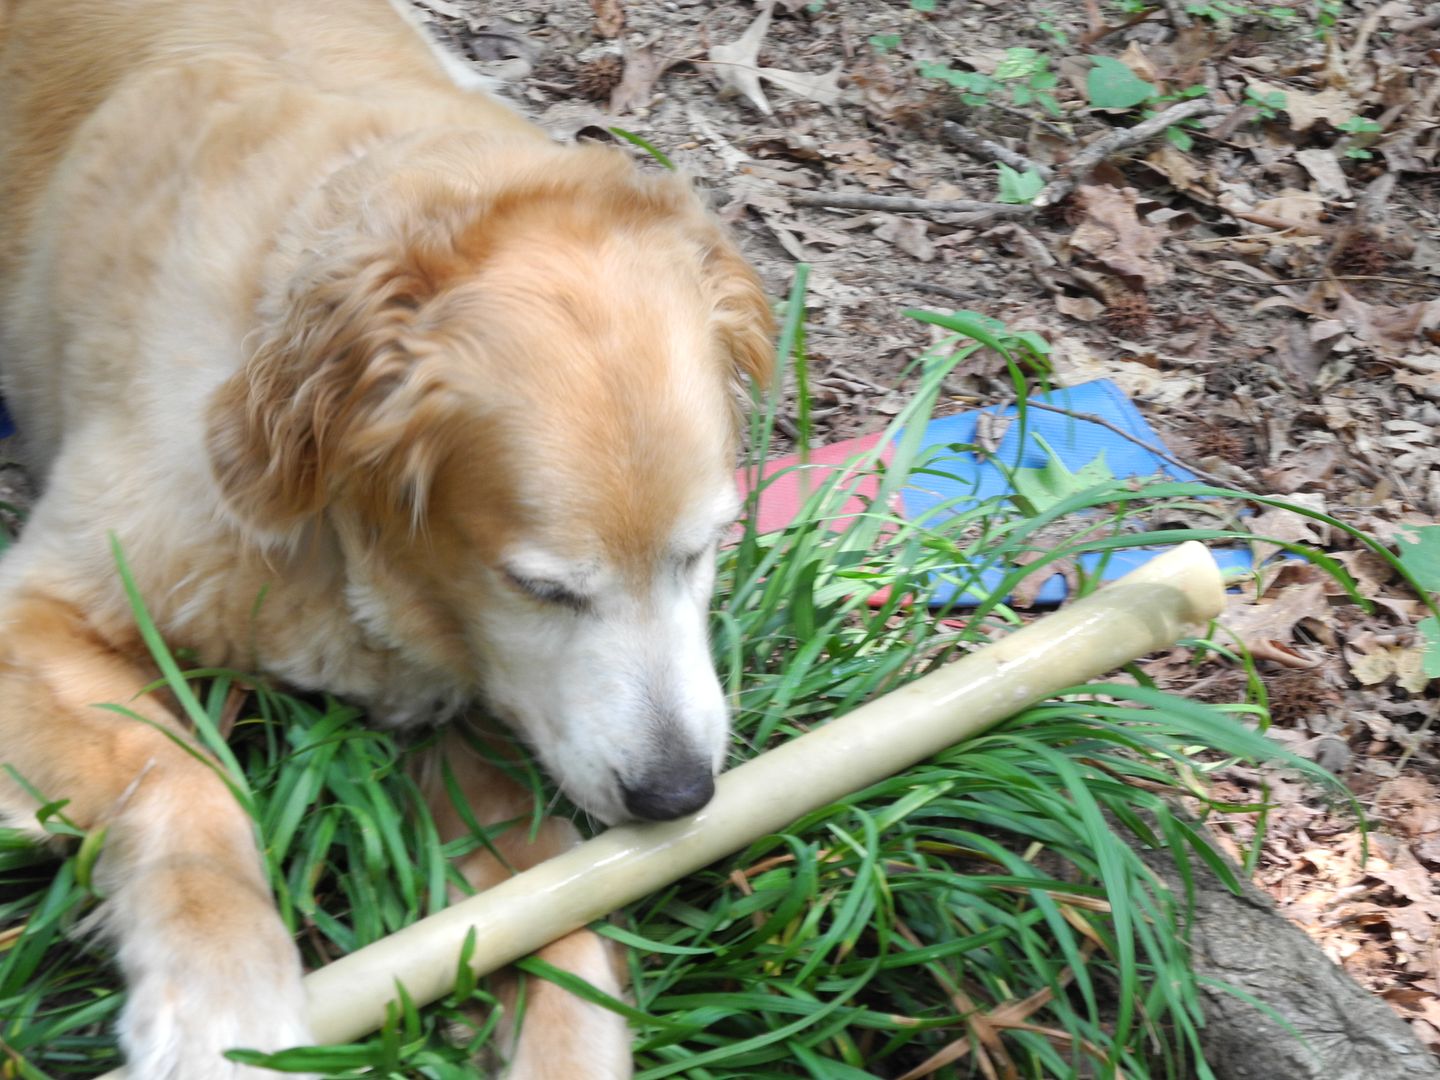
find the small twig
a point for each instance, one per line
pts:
(904, 205)
(1362, 35)
(1099, 33)
(1424, 22)
(1270, 221)
(441, 7)
(1158, 451)
(984, 149)
(1030, 118)
(1238, 118)
(846, 373)
(1042, 263)
(1052, 193)
(1305, 280)
(1102, 148)
(787, 426)
(1416, 741)
(1419, 116)
(939, 290)
(1095, 21)
(1178, 16)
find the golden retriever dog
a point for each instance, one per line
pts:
(379, 391)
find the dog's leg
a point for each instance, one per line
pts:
(207, 961)
(561, 1037)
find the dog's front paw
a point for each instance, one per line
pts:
(177, 1024)
(213, 974)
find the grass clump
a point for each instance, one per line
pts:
(985, 913)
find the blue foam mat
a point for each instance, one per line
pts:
(968, 480)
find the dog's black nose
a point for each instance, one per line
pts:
(669, 791)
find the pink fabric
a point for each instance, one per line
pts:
(782, 499)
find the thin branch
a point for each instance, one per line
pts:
(1120, 139)
(904, 205)
(1424, 22)
(1037, 255)
(1270, 221)
(1306, 280)
(1418, 117)
(1158, 451)
(1030, 117)
(441, 7)
(934, 287)
(1362, 36)
(1051, 194)
(984, 149)
(1099, 33)
(1178, 16)
(846, 373)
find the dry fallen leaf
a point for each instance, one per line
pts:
(1374, 662)
(1306, 110)
(1288, 526)
(1268, 630)
(737, 66)
(857, 158)
(1324, 168)
(643, 67)
(1300, 208)
(909, 235)
(823, 89)
(1084, 308)
(1114, 236)
(1135, 59)
(1387, 328)
(1182, 173)
(1076, 363)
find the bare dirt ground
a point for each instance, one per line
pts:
(1263, 284)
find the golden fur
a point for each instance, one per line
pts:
(289, 313)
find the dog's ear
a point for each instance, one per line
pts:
(742, 314)
(335, 390)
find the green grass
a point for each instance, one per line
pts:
(988, 903)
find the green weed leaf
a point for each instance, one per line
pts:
(1112, 85)
(1018, 187)
(1419, 553)
(1038, 490)
(644, 144)
(1021, 63)
(1429, 628)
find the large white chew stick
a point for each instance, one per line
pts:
(1146, 610)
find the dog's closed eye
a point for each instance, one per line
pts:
(690, 559)
(548, 592)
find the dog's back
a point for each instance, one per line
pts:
(103, 105)
(60, 60)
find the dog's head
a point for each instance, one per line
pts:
(516, 408)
